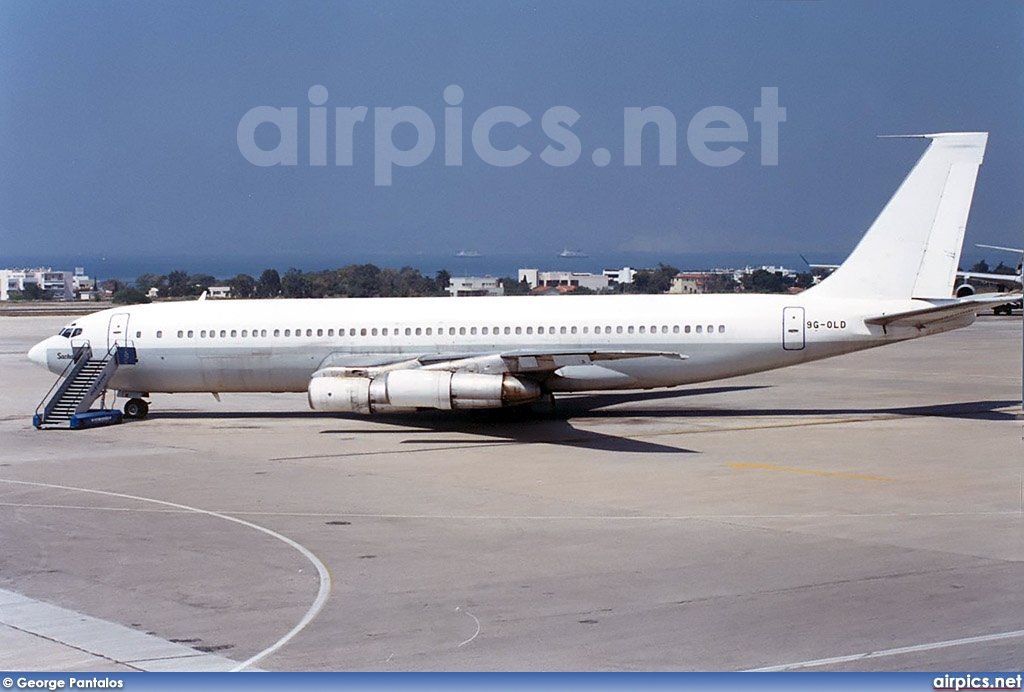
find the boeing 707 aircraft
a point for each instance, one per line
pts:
(388, 354)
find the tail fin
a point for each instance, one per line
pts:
(913, 247)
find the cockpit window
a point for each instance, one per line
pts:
(69, 332)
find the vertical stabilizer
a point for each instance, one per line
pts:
(913, 247)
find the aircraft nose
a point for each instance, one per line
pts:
(37, 354)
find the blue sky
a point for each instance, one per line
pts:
(119, 121)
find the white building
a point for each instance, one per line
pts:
(59, 284)
(538, 279)
(218, 292)
(461, 286)
(621, 276)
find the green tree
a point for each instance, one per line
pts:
(178, 284)
(197, 283)
(130, 296)
(242, 286)
(31, 291)
(295, 284)
(764, 281)
(269, 285)
(513, 287)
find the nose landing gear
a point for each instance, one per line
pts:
(136, 409)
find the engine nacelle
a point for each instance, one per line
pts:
(412, 389)
(964, 290)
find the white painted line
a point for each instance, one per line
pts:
(475, 633)
(323, 593)
(33, 620)
(891, 652)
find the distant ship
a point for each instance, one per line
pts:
(576, 254)
(467, 253)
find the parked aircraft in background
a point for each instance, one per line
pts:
(387, 354)
(1005, 282)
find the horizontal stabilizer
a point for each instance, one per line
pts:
(950, 310)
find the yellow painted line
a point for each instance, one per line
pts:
(833, 474)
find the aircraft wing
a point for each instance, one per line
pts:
(526, 361)
(1000, 279)
(943, 311)
(549, 361)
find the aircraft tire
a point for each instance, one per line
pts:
(136, 409)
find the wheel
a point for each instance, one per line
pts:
(136, 409)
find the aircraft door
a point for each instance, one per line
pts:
(793, 329)
(117, 330)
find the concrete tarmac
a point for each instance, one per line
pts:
(860, 513)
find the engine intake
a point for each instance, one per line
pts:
(412, 389)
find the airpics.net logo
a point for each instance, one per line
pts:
(714, 135)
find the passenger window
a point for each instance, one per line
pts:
(233, 333)
(385, 331)
(699, 329)
(664, 329)
(330, 332)
(190, 333)
(618, 330)
(181, 334)
(319, 332)
(608, 330)
(462, 331)
(484, 330)
(508, 330)
(654, 329)
(585, 330)
(287, 332)
(138, 335)
(277, 332)
(711, 329)
(675, 329)
(309, 332)
(721, 329)
(430, 331)
(472, 330)
(573, 330)
(519, 330)
(540, 330)
(362, 332)
(643, 329)
(159, 334)
(352, 332)
(245, 332)
(630, 329)
(451, 331)
(529, 330)
(419, 331)
(202, 334)
(687, 329)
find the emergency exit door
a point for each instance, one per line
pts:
(793, 329)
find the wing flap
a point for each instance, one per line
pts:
(549, 361)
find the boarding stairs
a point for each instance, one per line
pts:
(84, 380)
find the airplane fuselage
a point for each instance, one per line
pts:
(277, 345)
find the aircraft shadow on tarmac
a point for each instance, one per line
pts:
(553, 425)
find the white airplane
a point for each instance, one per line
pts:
(1005, 282)
(388, 354)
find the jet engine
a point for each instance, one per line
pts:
(964, 290)
(412, 389)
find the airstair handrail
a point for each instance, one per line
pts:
(78, 353)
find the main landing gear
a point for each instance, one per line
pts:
(136, 409)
